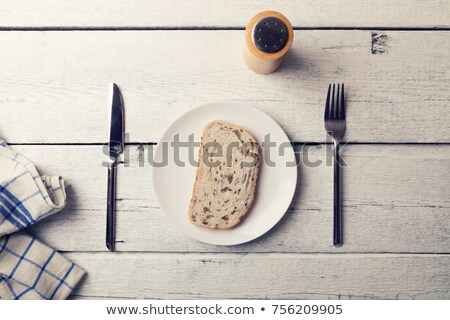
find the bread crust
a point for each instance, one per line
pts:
(194, 216)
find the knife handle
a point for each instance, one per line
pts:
(111, 208)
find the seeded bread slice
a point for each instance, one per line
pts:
(225, 184)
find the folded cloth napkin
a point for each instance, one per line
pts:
(30, 269)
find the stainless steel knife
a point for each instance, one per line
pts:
(115, 148)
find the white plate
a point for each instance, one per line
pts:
(276, 184)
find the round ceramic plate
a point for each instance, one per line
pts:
(277, 177)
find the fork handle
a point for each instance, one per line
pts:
(337, 218)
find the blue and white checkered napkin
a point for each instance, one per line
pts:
(30, 269)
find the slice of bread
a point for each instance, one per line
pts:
(225, 184)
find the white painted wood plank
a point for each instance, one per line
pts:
(279, 276)
(396, 199)
(54, 85)
(224, 13)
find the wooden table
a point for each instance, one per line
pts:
(58, 58)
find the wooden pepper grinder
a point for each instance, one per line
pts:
(268, 37)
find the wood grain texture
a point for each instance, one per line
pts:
(279, 276)
(224, 13)
(57, 83)
(396, 199)
(54, 89)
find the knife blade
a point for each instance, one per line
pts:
(115, 149)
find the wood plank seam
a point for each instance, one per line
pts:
(219, 28)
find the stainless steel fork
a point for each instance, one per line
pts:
(335, 126)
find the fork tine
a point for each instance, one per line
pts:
(342, 103)
(338, 102)
(333, 105)
(327, 104)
